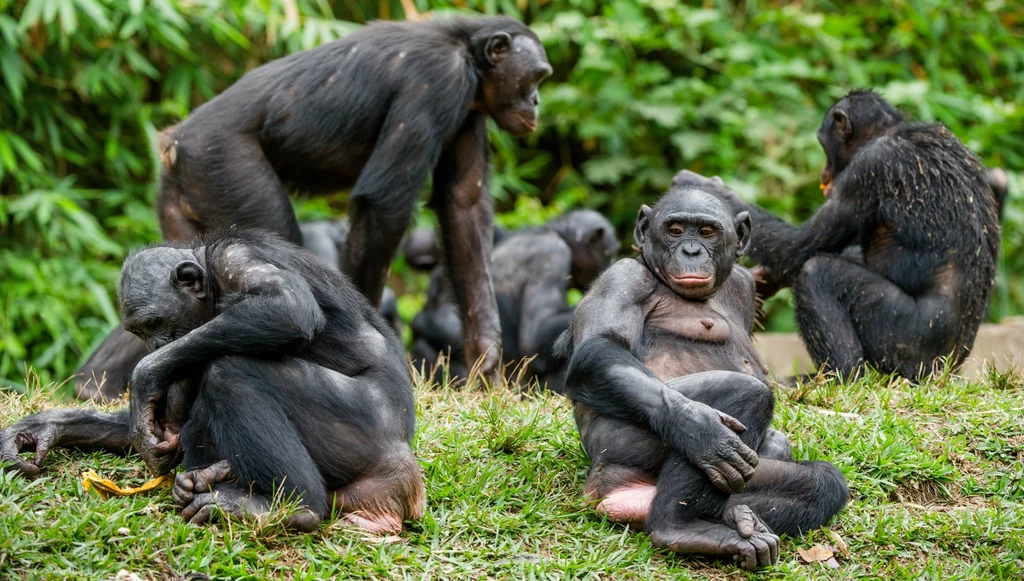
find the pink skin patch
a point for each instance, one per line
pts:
(380, 525)
(630, 504)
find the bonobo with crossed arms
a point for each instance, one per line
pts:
(670, 395)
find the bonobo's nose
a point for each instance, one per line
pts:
(691, 248)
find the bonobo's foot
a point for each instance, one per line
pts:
(629, 504)
(188, 484)
(742, 535)
(775, 446)
(232, 499)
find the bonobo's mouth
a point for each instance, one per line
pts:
(690, 279)
(527, 124)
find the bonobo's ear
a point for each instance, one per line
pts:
(844, 128)
(742, 221)
(643, 225)
(497, 45)
(188, 274)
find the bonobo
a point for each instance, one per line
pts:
(671, 400)
(327, 240)
(377, 111)
(532, 271)
(269, 372)
(919, 205)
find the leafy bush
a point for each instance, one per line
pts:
(641, 89)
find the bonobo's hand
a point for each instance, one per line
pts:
(714, 447)
(767, 283)
(33, 433)
(158, 448)
(712, 185)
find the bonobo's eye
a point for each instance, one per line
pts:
(707, 232)
(675, 230)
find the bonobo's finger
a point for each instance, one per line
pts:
(734, 481)
(183, 490)
(202, 516)
(746, 522)
(749, 455)
(763, 551)
(732, 423)
(773, 545)
(197, 505)
(716, 478)
(26, 468)
(747, 559)
(741, 465)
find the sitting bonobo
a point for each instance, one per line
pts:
(671, 400)
(268, 373)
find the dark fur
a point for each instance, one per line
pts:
(256, 380)
(919, 205)
(647, 347)
(532, 271)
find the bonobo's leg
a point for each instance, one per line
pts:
(104, 377)
(849, 315)
(463, 206)
(794, 497)
(236, 416)
(775, 446)
(292, 427)
(373, 241)
(220, 180)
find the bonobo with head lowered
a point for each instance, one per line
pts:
(670, 395)
(378, 112)
(532, 271)
(269, 372)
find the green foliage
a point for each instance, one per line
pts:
(641, 89)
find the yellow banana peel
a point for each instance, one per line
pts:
(106, 488)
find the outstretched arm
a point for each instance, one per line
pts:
(83, 429)
(606, 375)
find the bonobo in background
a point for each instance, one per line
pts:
(270, 371)
(671, 400)
(919, 205)
(327, 239)
(377, 111)
(532, 271)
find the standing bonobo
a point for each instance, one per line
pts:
(269, 371)
(920, 206)
(378, 111)
(671, 400)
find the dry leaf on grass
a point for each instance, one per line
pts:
(125, 575)
(819, 554)
(840, 544)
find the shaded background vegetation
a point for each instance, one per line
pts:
(641, 89)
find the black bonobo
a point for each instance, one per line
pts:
(269, 372)
(671, 400)
(378, 111)
(920, 207)
(327, 239)
(532, 271)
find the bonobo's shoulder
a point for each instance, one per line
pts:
(534, 250)
(626, 280)
(740, 283)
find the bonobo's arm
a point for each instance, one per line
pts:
(606, 375)
(463, 207)
(265, 309)
(543, 312)
(784, 248)
(83, 429)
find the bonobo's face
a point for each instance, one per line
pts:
(691, 242)
(593, 243)
(509, 89)
(163, 294)
(849, 125)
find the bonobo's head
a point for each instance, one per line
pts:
(690, 241)
(512, 63)
(591, 237)
(164, 294)
(854, 120)
(422, 250)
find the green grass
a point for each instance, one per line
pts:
(935, 472)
